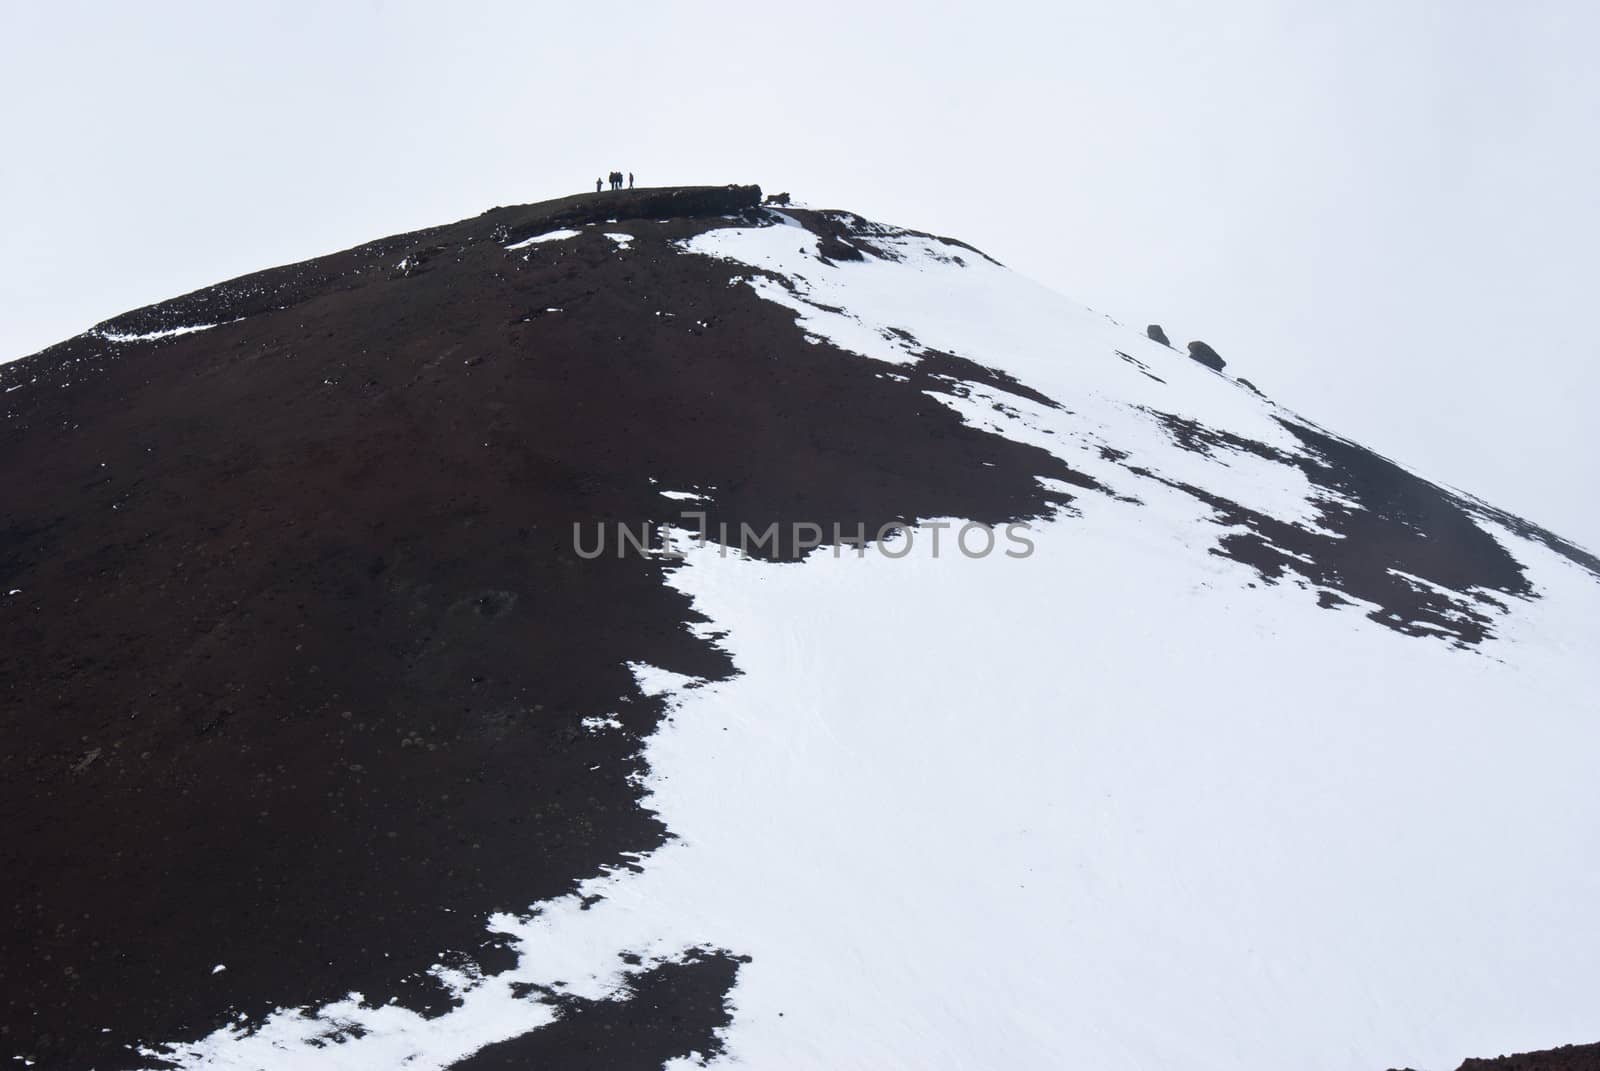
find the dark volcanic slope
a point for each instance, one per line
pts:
(302, 650)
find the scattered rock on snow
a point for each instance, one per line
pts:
(1199, 351)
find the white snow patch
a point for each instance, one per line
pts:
(548, 236)
(895, 310)
(653, 680)
(171, 332)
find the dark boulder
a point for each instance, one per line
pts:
(1157, 335)
(1199, 351)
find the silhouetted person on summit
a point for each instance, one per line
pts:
(630, 180)
(596, 185)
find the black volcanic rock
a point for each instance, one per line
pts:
(671, 1010)
(1565, 1058)
(1156, 334)
(1377, 524)
(1204, 354)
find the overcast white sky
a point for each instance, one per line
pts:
(1386, 214)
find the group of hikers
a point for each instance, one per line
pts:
(615, 179)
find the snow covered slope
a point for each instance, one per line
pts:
(1266, 752)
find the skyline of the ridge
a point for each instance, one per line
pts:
(1381, 214)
